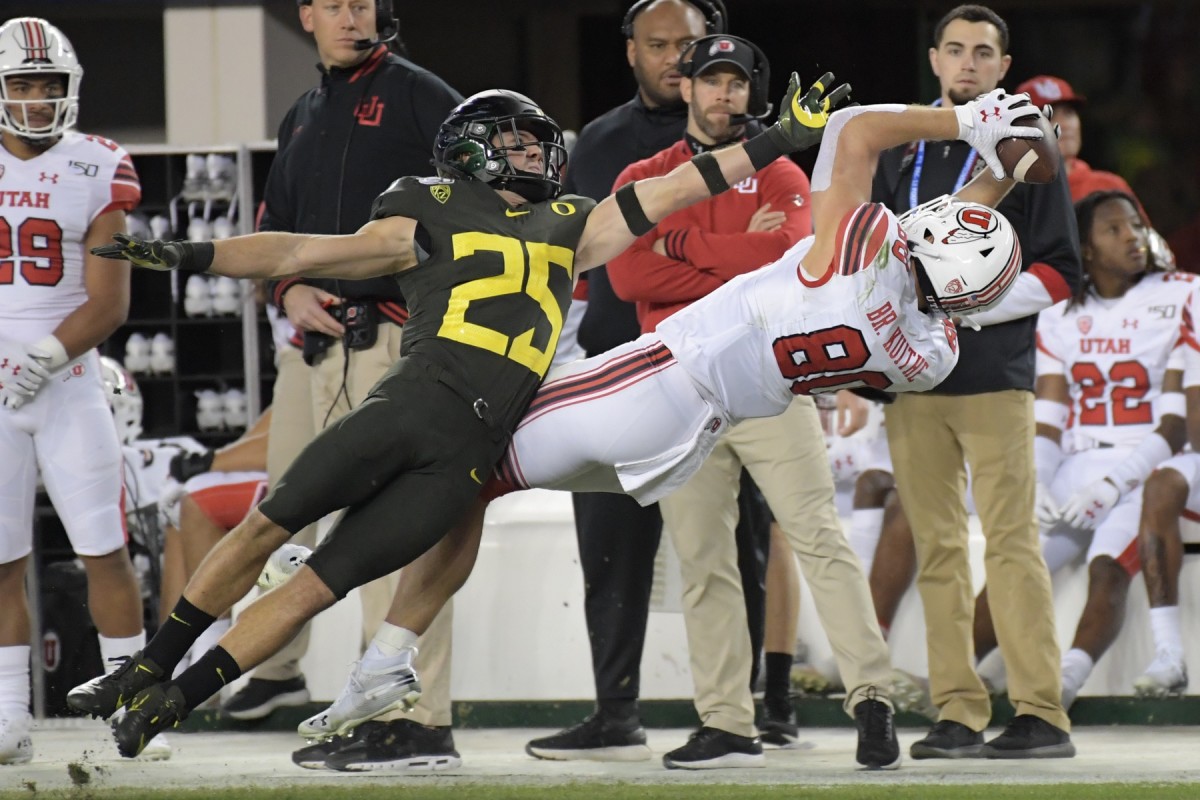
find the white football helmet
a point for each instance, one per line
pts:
(124, 398)
(966, 255)
(32, 46)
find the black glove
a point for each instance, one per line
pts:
(188, 465)
(801, 123)
(157, 254)
(802, 118)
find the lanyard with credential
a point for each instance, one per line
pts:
(919, 163)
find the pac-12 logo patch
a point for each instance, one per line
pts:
(1085, 325)
(440, 192)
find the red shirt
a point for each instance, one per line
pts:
(707, 242)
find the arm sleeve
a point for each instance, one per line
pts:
(727, 255)
(1052, 247)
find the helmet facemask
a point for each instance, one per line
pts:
(30, 47)
(966, 255)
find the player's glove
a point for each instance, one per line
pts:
(157, 254)
(23, 370)
(801, 123)
(185, 465)
(1088, 507)
(1047, 510)
(168, 503)
(987, 119)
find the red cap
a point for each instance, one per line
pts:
(1047, 89)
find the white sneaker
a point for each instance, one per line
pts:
(15, 745)
(910, 693)
(282, 564)
(367, 695)
(157, 749)
(1166, 675)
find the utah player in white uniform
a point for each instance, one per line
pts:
(61, 192)
(846, 308)
(1109, 378)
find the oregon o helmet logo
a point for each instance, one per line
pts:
(977, 219)
(562, 209)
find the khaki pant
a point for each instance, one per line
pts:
(303, 399)
(786, 457)
(930, 438)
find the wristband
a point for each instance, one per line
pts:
(766, 147)
(195, 256)
(1170, 403)
(55, 350)
(710, 170)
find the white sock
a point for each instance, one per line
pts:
(14, 680)
(1165, 625)
(1076, 667)
(389, 641)
(866, 525)
(113, 649)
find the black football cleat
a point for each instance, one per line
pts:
(104, 696)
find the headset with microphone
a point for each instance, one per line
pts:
(759, 106)
(716, 20)
(387, 27)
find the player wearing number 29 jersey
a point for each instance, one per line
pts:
(47, 204)
(743, 351)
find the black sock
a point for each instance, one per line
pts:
(779, 680)
(205, 678)
(177, 634)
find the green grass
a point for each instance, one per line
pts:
(413, 790)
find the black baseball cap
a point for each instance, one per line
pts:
(722, 49)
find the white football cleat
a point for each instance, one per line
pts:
(197, 297)
(282, 564)
(162, 354)
(367, 694)
(226, 295)
(15, 745)
(236, 414)
(1166, 676)
(137, 353)
(210, 410)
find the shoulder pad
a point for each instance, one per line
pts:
(431, 181)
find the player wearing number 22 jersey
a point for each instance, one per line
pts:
(742, 351)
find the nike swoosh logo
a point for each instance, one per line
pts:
(508, 212)
(475, 477)
(177, 619)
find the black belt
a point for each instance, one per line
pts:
(1191, 548)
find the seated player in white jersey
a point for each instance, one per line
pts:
(1171, 492)
(1110, 377)
(63, 191)
(842, 309)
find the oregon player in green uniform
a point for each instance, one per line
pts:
(486, 260)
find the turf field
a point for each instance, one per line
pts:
(366, 790)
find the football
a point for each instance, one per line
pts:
(1031, 160)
